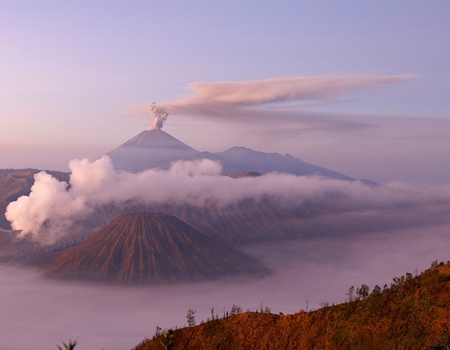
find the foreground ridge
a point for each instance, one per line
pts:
(413, 313)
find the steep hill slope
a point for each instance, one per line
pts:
(150, 248)
(413, 313)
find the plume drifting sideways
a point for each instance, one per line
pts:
(220, 98)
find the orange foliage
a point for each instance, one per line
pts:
(413, 314)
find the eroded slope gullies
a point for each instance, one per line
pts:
(150, 248)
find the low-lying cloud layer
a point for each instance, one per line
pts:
(53, 206)
(117, 318)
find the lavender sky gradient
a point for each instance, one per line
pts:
(74, 76)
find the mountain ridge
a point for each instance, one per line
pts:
(158, 149)
(411, 313)
(262, 162)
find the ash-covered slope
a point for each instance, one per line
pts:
(150, 248)
(149, 149)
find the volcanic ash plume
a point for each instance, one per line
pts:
(222, 98)
(160, 116)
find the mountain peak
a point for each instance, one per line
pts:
(149, 149)
(155, 138)
(150, 248)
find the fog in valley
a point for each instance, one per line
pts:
(382, 231)
(41, 313)
(53, 207)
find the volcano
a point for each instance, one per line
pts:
(148, 248)
(157, 149)
(150, 149)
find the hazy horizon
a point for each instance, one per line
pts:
(356, 88)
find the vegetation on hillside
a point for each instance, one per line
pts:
(412, 313)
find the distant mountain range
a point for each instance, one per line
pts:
(145, 247)
(157, 149)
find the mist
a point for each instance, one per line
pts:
(42, 313)
(307, 272)
(48, 212)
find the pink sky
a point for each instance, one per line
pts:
(75, 76)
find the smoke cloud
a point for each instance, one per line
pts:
(160, 117)
(53, 206)
(221, 98)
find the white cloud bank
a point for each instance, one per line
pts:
(52, 205)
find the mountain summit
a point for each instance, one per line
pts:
(149, 149)
(156, 139)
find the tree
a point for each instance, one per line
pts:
(236, 309)
(349, 294)
(363, 291)
(190, 317)
(70, 346)
(398, 281)
(376, 290)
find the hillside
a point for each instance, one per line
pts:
(150, 248)
(413, 313)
